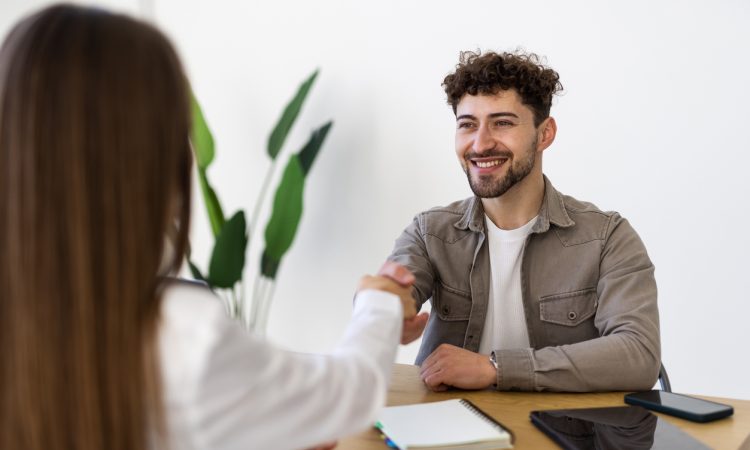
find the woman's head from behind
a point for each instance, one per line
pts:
(94, 172)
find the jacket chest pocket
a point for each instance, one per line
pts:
(569, 309)
(451, 304)
(567, 318)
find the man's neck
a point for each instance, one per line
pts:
(518, 205)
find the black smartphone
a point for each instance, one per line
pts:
(679, 405)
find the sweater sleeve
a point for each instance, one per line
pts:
(247, 393)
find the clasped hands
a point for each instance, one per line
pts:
(397, 279)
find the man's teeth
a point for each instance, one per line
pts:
(484, 165)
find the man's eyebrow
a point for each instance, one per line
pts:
(503, 114)
(492, 116)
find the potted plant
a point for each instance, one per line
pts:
(233, 235)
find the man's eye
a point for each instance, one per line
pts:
(465, 125)
(503, 123)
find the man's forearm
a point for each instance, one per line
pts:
(616, 362)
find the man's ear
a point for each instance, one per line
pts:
(547, 131)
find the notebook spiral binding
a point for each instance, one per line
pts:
(487, 418)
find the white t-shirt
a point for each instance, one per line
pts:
(227, 389)
(505, 324)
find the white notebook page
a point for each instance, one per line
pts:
(447, 422)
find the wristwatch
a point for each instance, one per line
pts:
(493, 360)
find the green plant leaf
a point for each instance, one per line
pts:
(195, 271)
(201, 137)
(287, 211)
(269, 266)
(213, 206)
(310, 150)
(203, 148)
(228, 257)
(284, 125)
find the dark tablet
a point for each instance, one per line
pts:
(619, 427)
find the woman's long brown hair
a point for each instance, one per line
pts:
(94, 172)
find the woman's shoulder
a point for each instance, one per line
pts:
(184, 297)
(192, 325)
(191, 316)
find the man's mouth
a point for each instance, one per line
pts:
(488, 163)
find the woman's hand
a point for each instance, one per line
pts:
(396, 279)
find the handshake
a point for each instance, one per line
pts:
(448, 365)
(397, 279)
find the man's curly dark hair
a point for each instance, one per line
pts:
(491, 72)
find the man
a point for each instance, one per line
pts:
(530, 289)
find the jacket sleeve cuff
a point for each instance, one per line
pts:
(515, 370)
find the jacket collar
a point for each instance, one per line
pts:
(552, 211)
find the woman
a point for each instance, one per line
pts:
(98, 351)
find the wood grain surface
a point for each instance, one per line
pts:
(512, 410)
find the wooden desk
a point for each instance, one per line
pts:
(513, 408)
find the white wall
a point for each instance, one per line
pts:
(652, 124)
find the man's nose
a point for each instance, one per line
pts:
(482, 141)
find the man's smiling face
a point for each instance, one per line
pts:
(496, 141)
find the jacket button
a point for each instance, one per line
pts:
(572, 315)
(446, 309)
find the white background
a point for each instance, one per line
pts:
(653, 123)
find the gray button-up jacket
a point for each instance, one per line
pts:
(588, 287)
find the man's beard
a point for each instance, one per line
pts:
(487, 187)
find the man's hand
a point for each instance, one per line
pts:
(452, 366)
(413, 327)
(397, 273)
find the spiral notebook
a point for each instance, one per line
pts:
(444, 425)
